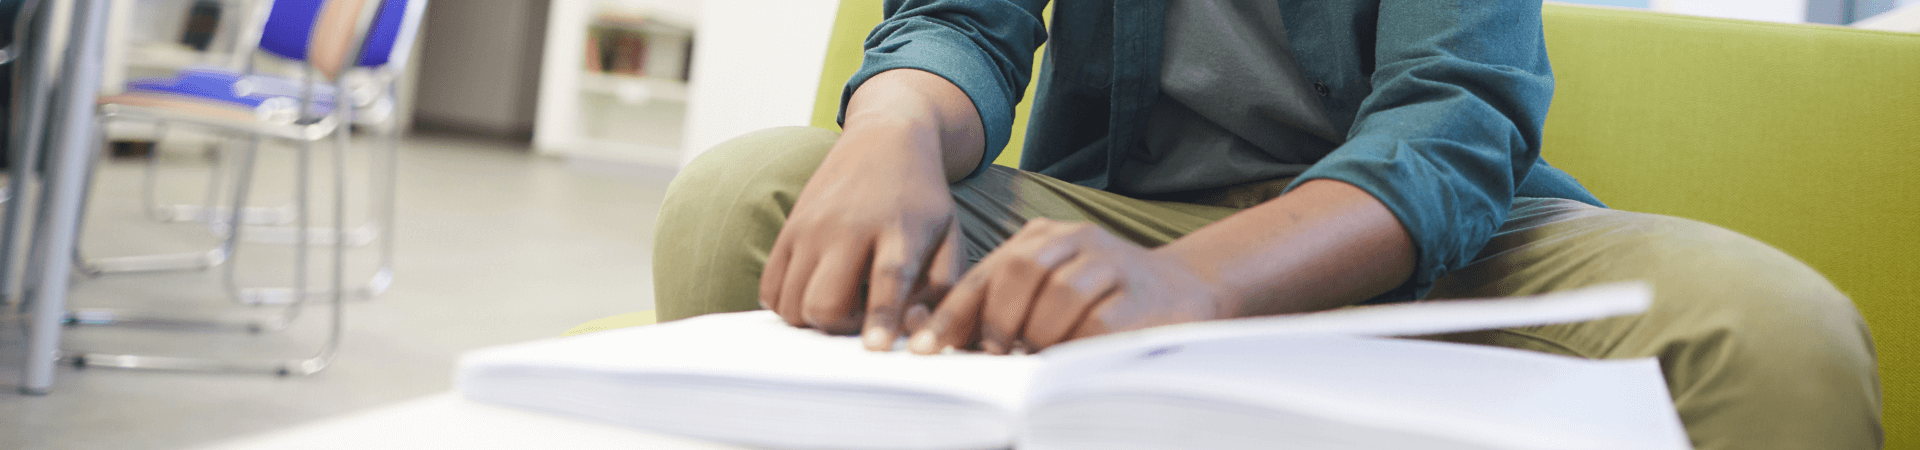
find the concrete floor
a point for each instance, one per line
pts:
(494, 245)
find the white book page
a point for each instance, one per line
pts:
(758, 346)
(1398, 319)
(1501, 398)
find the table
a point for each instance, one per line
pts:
(446, 420)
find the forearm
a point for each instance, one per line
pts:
(921, 110)
(1326, 244)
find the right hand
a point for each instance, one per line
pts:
(877, 212)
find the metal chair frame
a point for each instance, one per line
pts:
(305, 134)
(268, 224)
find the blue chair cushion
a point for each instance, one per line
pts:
(269, 98)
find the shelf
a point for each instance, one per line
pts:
(610, 87)
(633, 90)
(644, 18)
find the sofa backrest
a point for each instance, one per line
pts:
(1806, 137)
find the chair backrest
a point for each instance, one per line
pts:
(321, 32)
(401, 49)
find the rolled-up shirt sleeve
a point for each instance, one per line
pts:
(984, 47)
(1452, 126)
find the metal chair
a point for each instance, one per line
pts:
(344, 34)
(273, 99)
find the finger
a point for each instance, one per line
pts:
(773, 274)
(896, 265)
(1026, 261)
(1069, 294)
(917, 315)
(948, 261)
(833, 303)
(956, 322)
(942, 272)
(792, 294)
(1089, 324)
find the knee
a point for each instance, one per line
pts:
(772, 159)
(1708, 275)
(721, 216)
(1759, 349)
(1749, 329)
(1727, 272)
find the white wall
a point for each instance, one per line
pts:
(756, 65)
(1791, 11)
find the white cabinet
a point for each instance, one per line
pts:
(613, 80)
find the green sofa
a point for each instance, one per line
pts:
(1806, 137)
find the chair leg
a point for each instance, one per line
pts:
(149, 179)
(287, 367)
(165, 262)
(358, 236)
(128, 318)
(218, 218)
(383, 179)
(208, 210)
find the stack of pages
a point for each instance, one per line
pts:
(1310, 381)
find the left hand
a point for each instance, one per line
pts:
(1055, 281)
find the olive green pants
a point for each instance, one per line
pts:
(1759, 351)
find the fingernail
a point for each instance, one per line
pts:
(878, 339)
(917, 316)
(922, 342)
(993, 347)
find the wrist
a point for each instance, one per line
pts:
(1211, 287)
(1324, 245)
(888, 145)
(938, 118)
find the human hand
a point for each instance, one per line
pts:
(876, 213)
(1055, 281)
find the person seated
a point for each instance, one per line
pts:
(1193, 160)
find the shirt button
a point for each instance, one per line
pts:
(1321, 88)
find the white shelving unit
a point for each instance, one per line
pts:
(635, 118)
(1905, 18)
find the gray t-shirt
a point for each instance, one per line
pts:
(1234, 107)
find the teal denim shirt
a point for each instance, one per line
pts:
(1441, 101)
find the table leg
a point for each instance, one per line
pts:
(32, 86)
(73, 133)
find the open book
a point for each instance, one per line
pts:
(1322, 380)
